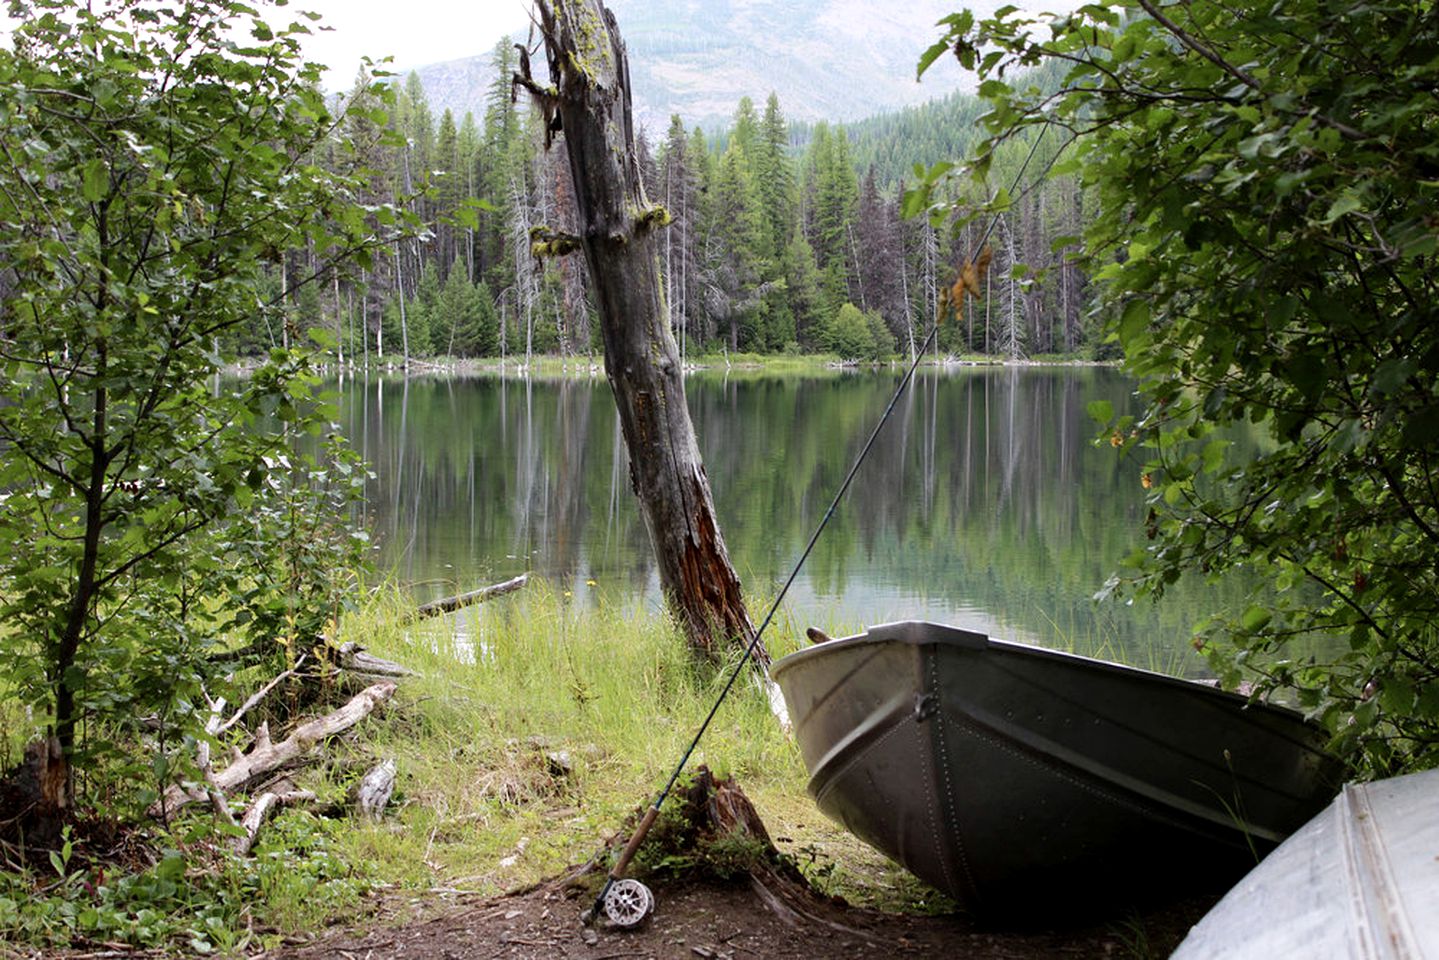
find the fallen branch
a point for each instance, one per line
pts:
(354, 659)
(260, 808)
(450, 604)
(266, 755)
(218, 803)
(260, 695)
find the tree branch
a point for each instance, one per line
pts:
(450, 604)
(266, 756)
(1189, 41)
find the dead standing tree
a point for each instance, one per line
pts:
(590, 102)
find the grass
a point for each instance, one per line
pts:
(15, 728)
(533, 731)
(536, 729)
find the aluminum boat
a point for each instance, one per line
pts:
(1032, 783)
(1358, 882)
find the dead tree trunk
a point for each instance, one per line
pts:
(590, 102)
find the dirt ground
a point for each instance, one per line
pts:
(732, 922)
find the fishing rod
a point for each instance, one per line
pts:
(627, 902)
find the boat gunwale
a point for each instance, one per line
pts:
(924, 632)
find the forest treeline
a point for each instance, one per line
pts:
(785, 238)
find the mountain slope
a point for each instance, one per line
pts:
(826, 59)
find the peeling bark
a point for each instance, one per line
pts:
(616, 230)
(373, 793)
(267, 755)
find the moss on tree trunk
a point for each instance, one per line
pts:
(590, 102)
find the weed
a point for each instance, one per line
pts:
(200, 897)
(1133, 936)
(532, 728)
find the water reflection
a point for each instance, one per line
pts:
(984, 503)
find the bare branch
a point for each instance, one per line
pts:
(266, 756)
(450, 604)
(260, 695)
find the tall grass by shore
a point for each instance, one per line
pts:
(538, 728)
(532, 731)
(535, 727)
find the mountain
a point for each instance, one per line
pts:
(834, 60)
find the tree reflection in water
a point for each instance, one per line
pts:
(985, 502)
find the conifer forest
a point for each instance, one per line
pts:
(785, 238)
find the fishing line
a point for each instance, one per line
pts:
(649, 818)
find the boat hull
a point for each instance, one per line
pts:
(1359, 881)
(1023, 781)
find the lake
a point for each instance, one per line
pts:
(985, 503)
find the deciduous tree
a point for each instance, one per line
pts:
(153, 166)
(1265, 180)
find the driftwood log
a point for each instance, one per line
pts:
(259, 809)
(354, 659)
(450, 604)
(264, 756)
(373, 793)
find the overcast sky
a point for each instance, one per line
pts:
(414, 32)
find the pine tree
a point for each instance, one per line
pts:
(699, 322)
(503, 161)
(879, 271)
(467, 175)
(745, 133)
(677, 189)
(736, 263)
(802, 292)
(835, 193)
(774, 177)
(478, 333)
(424, 310)
(450, 190)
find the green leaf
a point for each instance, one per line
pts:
(95, 181)
(1397, 697)
(1347, 202)
(1134, 320)
(1390, 376)
(1214, 455)
(933, 53)
(916, 201)
(1310, 374)
(1255, 618)
(1101, 411)
(322, 337)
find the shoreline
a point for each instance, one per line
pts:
(551, 366)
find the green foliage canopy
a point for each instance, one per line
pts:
(1265, 180)
(154, 163)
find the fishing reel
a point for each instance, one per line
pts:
(628, 902)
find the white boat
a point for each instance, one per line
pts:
(1360, 881)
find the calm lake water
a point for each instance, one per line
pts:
(984, 504)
